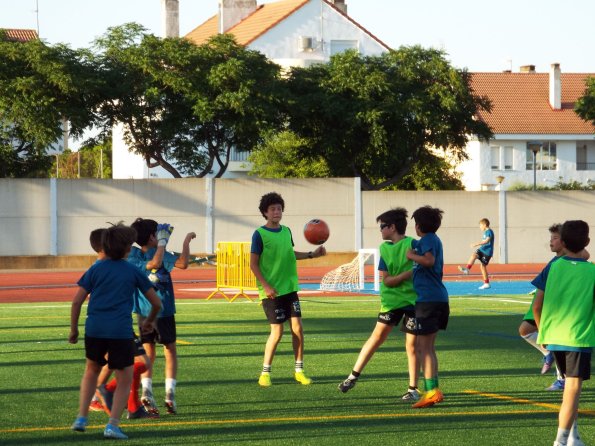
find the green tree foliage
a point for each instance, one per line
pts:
(585, 106)
(278, 157)
(379, 117)
(92, 161)
(40, 85)
(183, 107)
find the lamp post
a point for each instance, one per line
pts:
(535, 147)
(500, 179)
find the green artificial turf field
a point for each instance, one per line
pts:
(494, 394)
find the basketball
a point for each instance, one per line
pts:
(316, 231)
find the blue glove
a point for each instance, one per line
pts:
(163, 233)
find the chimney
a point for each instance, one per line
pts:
(340, 5)
(555, 87)
(527, 69)
(170, 18)
(232, 12)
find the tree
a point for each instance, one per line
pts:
(378, 117)
(40, 86)
(278, 157)
(184, 107)
(585, 106)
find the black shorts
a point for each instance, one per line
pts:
(165, 333)
(574, 364)
(483, 258)
(431, 317)
(405, 314)
(281, 308)
(120, 352)
(138, 345)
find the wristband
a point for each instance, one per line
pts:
(310, 255)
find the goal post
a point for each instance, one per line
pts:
(351, 276)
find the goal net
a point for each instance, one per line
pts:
(351, 276)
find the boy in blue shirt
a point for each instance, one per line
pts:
(108, 328)
(483, 253)
(431, 307)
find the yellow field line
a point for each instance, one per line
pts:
(287, 419)
(523, 401)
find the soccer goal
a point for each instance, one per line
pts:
(351, 276)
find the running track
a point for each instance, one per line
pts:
(17, 286)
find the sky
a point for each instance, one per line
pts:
(487, 36)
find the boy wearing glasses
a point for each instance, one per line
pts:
(397, 300)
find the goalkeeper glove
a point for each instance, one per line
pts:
(163, 233)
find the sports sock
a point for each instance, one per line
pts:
(563, 435)
(111, 386)
(353, 376)
(574, 431)
(266, 368)
(531, 338)
(469, 266)
(299, 366)
(411, 388)
(147, 384)
(486, 281)
(170, 388)
(133, 400)
(431, 383)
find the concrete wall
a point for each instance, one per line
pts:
(54, 217)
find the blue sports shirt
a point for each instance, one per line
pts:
(488, 248)
(112, 285)
(427, 282)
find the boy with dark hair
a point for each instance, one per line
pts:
(397, 299)
(108, 326)
(157, 263)
(431, 307)
(483, 253)
(565, 317)
(273, 262)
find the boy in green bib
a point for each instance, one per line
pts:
(565, 317)
(273, 262)
(397, 300)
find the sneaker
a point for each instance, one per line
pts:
(548, 360)
(302, 378)
(96, 406)
(149, 403)
(106, 397)
(114, 432)
(485, 286)
(411, 395)
(347, 385)
(80, 424)
(170, 407)
(464, 270)
(556, 385)
(141, 412)
(429, 399)
(264, 380)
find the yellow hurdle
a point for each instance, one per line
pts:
(233, 270)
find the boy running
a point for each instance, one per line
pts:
(431, 307)
(484, 253)
(565, 317)
(273, 262)
(397, 300)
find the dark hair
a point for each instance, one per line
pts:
(395, 216)
(575, 235)
(428, 218)
(144, 228)
(268, 199)
(485, 221)
(95, 239)
(555, 228)
(117, 240)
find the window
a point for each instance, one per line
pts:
(340, 46)
(585, 157)
(501, 157)
(545, 155)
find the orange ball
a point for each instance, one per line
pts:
(316, 231)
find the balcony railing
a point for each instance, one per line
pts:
(585, 166)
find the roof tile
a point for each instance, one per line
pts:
(20, 35)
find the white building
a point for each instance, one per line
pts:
(532, 113)
(289, 32)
